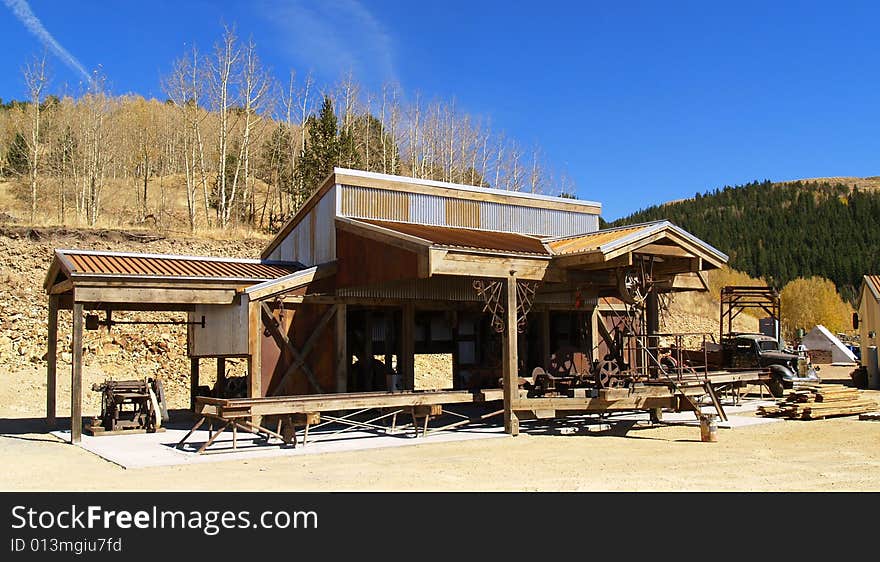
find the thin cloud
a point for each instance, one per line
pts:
(335, 36)
(23, 12)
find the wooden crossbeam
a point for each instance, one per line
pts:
(299, 355)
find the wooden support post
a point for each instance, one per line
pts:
(367, 360)
(255, 343)
(342, 361)
(595, 336)
(52, 360)
(510, 359)
(193, 382)
(76, 375)
(389, 337)
(221, 376)
(408, 346)
(545, 338)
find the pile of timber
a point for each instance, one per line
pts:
(818, 401)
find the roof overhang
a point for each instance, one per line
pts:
(155, 280)
(677, 258)
(458, 251)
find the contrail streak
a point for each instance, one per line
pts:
(23, 12)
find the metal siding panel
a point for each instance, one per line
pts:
(427, 209)
(534, 221)
(462, 212)
(303, 241)
(325, 243)
(369, 203)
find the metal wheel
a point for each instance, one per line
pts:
(632, 288)
(607, 374)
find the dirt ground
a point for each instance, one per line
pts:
(837, 454)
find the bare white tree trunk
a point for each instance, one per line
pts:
(36, 80)
(222, 68)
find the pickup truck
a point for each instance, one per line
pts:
(741, 351)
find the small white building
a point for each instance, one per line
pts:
(821, 339)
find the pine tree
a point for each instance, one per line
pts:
(322, 150)
(17, 156)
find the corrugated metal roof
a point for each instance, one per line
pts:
(467, 238)
(874, 281)
(171, 266)
(594, 240)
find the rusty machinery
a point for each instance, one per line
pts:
(130, 406)
(570, 370)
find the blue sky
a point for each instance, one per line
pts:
(638, 102)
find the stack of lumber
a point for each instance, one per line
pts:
(818, 401)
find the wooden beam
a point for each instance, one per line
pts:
(290, 282)
(664, 250)
(255, 344)
(406, 360)
(52, 360)
(473, 265)
(193, 381)
(142, 295)
(221, 374)
(595, 318)
(366, 362)
(61, 287)
(341, 348)
(510, 359)
(634, 245)
(76, 376)
(545, 337)
(593, 261)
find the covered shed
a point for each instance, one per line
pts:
(374, 270)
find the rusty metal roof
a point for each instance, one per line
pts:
(594, 240)
(104, 264)
(469, 238)
(874, 284)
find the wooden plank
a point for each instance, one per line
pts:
(76, 375)
(341, 348)
(254, 362)
(280, 405)
(474, 265)
(596, 404)
(52, 361)
(664, 250)
(510, 359)
(142, 295)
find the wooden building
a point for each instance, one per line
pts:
(376, 270)
(868, 306)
